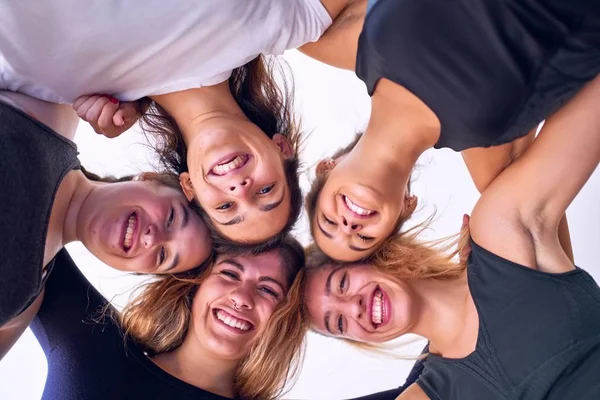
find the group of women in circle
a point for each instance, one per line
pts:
(234, 293)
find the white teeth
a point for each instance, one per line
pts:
(129, 232)
(377, 307)
(222, 169)
(357, 209)
(232, 321)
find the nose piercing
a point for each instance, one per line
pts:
(235, 306)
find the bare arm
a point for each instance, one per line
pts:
(339, 44)
(13, 329)
(59, 117)
(518, 215)
(414, 392)
(485, 164)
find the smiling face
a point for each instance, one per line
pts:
(237, 175)
(143, 226)
(359, 303)
(351, 218)
(232, 306)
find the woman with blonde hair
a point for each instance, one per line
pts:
(232, 331)
(519, 320)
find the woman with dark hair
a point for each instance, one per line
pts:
(519, 320)
(461, 74)
(232, 331)
(47, 200)
(210, 97)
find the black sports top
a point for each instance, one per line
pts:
(539, 336)
(91, 360)
(33, 161)
(490, 70)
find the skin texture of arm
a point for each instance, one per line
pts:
(485, 164)
(518, 215)
(339, 44)
(13, 329)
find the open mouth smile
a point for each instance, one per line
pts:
(130, 232)
(229, 164)
(233, 323)
(380, 309)
(357, 210)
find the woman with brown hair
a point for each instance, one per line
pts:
(475, 77)
(209, 93)
(519, 320)
(48, 200)
(232, 331)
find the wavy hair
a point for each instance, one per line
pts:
(269, 105)
(160, 316)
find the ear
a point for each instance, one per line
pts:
(284, 145)
(146, 176)
(410, 204)
(325, 166)
(186, 186)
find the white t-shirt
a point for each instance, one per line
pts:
(57, 50)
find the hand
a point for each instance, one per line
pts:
(107, 115)
(465, 251)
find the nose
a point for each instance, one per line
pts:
(239, 186)
(349, 226)
(241, 298)
(152, 236)
(354, 307)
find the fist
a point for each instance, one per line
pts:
(107, 115)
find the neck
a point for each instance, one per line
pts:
(445, 312)
(82, 189)
(197, 366)
(190, 108)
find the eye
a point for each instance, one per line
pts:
(230, 274)
(328, 221)
(266, 189)
(341, 324)
(171, 217)
(269, 291)
(162, 255)
(225, 206)
(365, 238)
(342, 284)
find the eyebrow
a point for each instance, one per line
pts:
(327, 324)
(237, 220)
(185, 217)
(173, 263)
(269, 207)
(239, 266)
(350, 246)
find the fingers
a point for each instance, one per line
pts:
(126, 114)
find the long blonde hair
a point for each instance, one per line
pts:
(160, 316)
(401, 257)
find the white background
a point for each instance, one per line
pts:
(334, 105)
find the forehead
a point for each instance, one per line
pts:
(267, 264)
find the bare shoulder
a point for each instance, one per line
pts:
(414, 392)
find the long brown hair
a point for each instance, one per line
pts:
(160, 316)
(268, 103)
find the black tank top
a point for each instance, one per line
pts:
(33, 161)
(88, 358)
(490, 70)
(539, 337)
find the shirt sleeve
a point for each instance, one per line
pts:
(302, 21)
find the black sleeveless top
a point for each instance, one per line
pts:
(33, 161)
(490, 70)
(88, 358)
(539, 337)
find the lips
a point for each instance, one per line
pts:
(229, 164)
(380, 308)
(357, 210)
(231, 322)
(130, 232)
